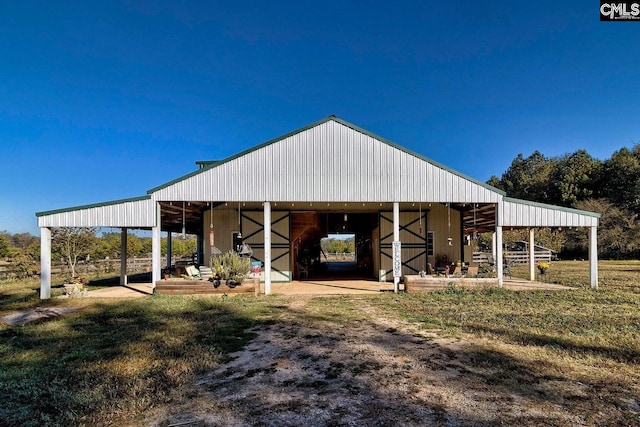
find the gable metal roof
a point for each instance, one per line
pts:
(330, 160)
(327, 161)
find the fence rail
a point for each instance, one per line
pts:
(340, 257)
(93, 268)
(513, 257)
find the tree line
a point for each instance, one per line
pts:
(338, 246)
(577, 180)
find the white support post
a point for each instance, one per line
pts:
(499, 259)
(532, 255)
(593, 257)
(123, 256)
(45, 263)
(396, 238)
(494, 244)
(267, 248)
(156, 248)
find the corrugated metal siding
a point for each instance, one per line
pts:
(330, 162)
(139, 213)
(514, 214)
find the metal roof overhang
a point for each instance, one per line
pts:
(140, 213)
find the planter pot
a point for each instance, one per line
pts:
(542, 270)
(74, 289)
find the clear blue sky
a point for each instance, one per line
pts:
(105, 100)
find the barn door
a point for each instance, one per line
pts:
(253, 233)
(414, 243)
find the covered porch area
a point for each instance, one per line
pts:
(333, 287)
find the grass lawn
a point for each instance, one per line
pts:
(113, 360)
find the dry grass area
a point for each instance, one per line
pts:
(456, 357)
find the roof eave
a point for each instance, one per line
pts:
(554, 207)
(94, 205)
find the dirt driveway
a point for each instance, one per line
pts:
(311, 371)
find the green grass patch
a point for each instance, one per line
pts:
(114, 360)
(603, 322)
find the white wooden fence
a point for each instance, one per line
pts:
(92, 267)
(340, 257)
(513, 257)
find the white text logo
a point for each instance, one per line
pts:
(619, 11)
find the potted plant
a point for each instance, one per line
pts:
(543, 267)
(230, 268)
(74, 286)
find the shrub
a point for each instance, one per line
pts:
(230, 265)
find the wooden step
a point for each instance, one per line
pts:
(189, 287)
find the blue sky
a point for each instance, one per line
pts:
(105, 100)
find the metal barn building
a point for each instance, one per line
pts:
(405, 210)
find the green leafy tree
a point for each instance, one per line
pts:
(610, 187)
(186, 247)
(5, 246)
(24, 265)
(108, 246)
(351, 245)
(23, 240)
(529, 178)
(620, 180)
(618, 232)
(574, 178)
(147, 246)
(33, 250)
(337, 246)
(494, 181)
(134, 246)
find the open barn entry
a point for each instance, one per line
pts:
(312, 260)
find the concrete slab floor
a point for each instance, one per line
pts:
(317, 287)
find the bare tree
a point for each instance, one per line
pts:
(73, 244)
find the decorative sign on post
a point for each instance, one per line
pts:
(397, 260)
